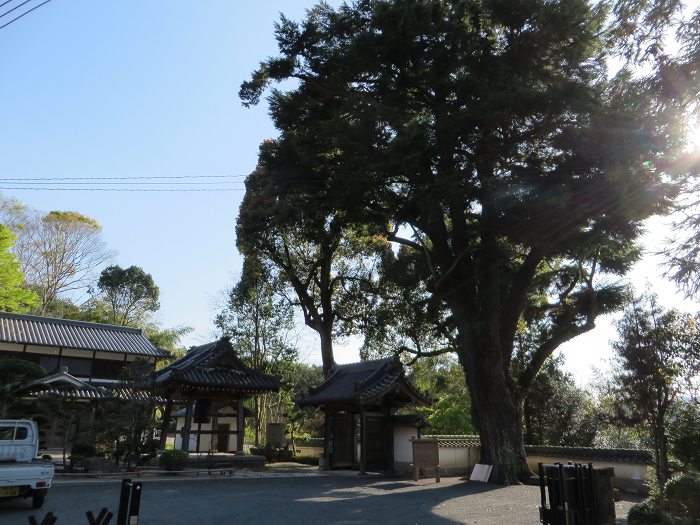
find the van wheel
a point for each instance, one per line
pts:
(38, 499)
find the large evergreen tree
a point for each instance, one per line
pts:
(486, 136)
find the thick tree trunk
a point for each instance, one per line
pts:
(499, 415)
(326, 350)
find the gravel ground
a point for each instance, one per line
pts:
(293, 495)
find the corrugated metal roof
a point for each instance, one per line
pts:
(47, 331)
(215, 366)
(363, 382)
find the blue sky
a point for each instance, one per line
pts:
(142, 88)
(149, 88)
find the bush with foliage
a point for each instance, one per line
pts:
(173, 459)
(679, 505)
(648, 512)
(683, 498)
(684, 432)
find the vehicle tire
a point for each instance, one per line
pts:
(38, 499)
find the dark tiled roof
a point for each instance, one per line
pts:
(362, 383)
(215, 366)
(122, 393)
(46, 331)
(457, 441)
(643, 457)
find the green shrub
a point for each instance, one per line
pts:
(173, 459)
(648, 512)
(683, 497)
(307, 460)
(685, 435)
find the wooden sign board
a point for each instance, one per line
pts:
(426, 454)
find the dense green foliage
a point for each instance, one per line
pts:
(486, 137)
(658, 352)
(59, 251)
(14, 297)
(13, 374)
(130, 294)
(258, 319)
(173, 459)
(648, 512)
(443, 380)
(678, 504)
(684, 432)
(556, 412)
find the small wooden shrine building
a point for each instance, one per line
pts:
(360, 401)
(211, 383)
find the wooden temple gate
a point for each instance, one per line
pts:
(359, 401)
(206, 379)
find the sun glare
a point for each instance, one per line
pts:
(694, 136)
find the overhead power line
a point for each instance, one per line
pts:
(35, 188)
(135, 183)
(23, 14)
(134, 177)
(140, 183)
(14, 8)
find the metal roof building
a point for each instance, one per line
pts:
(21, 329)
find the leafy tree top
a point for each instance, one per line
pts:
(130, 293)
(13, 296)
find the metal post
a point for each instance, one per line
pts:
(129, 503)
(240, 426)
(123, 511)
(188, 427)
(363, 444)
(135, 503)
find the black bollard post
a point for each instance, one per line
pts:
(135, 503)
(129, 503)
(123, 512)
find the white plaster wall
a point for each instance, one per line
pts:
(208, 441)
(628, 476)
(458, 460)
(403, 448)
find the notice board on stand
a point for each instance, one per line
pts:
(426, 454)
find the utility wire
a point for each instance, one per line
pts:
(14, 8)
(23, 14)
(122, 189)
(137, 177)
(105, 183)
(6, 2)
